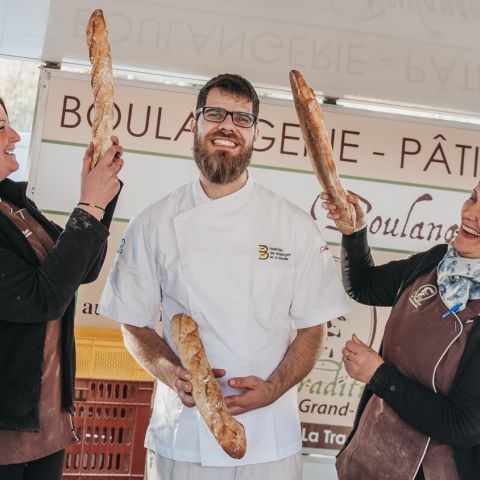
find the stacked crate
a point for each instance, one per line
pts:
(111, 415)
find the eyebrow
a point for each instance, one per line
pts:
(233, 111)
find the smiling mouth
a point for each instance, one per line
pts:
(224, 142)
(9, 151)
(471, 231)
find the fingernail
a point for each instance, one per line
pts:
(232, 382)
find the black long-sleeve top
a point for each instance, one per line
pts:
(32, 293)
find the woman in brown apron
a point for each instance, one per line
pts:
(419, 416)
(41, 267)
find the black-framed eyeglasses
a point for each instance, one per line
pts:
(217, 115)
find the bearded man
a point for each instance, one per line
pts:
(250, 268)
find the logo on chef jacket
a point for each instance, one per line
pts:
(263, 252)
(274, 253)
(423, 294)
(120, 248)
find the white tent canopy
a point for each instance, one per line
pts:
(423, 52)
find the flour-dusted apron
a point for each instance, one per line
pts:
(55, 425)
(427, 349)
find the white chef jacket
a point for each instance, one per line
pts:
(249, 268)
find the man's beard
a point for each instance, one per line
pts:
(221, 167)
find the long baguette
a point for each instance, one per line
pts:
(206, 391)
(319, 150)
(102, 84)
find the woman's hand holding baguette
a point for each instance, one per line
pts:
(330, 207)
(100, 185)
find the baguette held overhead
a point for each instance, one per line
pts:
(206, 391)
(102, 84)
(319, 150)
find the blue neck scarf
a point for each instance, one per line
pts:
(458, 278)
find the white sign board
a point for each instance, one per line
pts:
(412, 178)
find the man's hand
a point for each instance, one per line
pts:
(361, 361)
(256, 393)
(183, 385)
(153, 353)
(299, 359)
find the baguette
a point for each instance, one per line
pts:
(206, 391)
(319, 150)
(102, 84)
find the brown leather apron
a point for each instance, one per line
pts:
(55, 425)
(427, 349)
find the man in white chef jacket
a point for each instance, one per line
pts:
(250, 268)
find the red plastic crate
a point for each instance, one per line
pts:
(111, 418)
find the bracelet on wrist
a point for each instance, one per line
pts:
(91, 205)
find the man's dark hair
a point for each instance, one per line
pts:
(231, 83)
(2, 103)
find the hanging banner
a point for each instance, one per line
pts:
(422, 52)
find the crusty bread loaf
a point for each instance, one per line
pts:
(102, 84)
(206, 392)
(319, 149)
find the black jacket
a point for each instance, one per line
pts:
(31, 294)
(452, 419)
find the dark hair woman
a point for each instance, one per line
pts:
(41, 267)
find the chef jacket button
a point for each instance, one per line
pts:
(392, 388)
